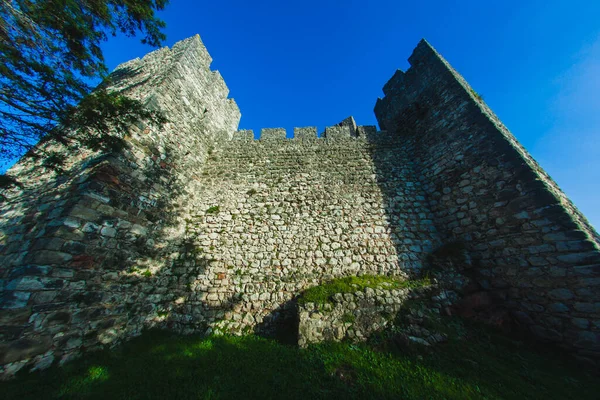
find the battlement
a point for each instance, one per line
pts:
(338, 132)
(307, 133)
(331, 133)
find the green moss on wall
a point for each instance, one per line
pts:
(323, 293)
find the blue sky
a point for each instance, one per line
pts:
(313, 63)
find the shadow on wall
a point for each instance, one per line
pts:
(410, 220)
(105, 261)
(281, 324)
(534, 251)
(405, 221)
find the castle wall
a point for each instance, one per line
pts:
(81, 250)
(198, 227)
(291, 214)
(531, 247)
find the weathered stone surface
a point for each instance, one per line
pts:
(10, 299)
(24, 348)
(50, 257)
(308, 133)
(514, 214)
(43, 363)
(357, 316)
(561, 294)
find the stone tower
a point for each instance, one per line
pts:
(197, 227)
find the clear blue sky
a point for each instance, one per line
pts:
(313, 63)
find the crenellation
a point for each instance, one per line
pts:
(338, 132)
(244, 134)
(307, 133)
(366, 130)
(363, 132)
(394, 84)
(350, 123)
(197, 227)
(272, 134)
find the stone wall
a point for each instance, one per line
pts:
(197, 227)
(275, 216)
(532, 248)
(357, 316)
(81, 250)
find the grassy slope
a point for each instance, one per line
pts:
(164, 366)
(322, 294)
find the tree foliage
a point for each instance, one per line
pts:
(51, 58)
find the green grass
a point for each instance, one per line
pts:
(159, 365)
(348, 318)
(213, 210)
(322, 294)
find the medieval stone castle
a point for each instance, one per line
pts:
(198, 227)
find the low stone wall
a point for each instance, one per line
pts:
(356, 316)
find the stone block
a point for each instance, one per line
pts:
(17, 316)
(10, 299)
(272, 134)
(307, 133)
(30, 270)
(245, 135)
(33, 283)
(588, 308)
(366, 130)
(558, 308)
(24, 348)
(550, 335)
(561, 294)
(580, 258)
(337, 132)
(47, 257)
(85, 213)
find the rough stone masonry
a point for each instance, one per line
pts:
(198, 227)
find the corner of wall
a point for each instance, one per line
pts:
(529, 241)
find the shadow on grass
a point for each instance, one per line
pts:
(160, 365)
